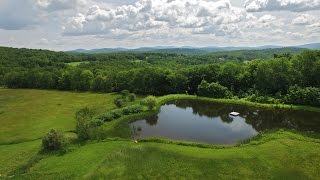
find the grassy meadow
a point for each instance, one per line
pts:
(26, 115)
(29, 114)
(278, 155)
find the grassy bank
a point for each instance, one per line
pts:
(244, 102)
(277, 155)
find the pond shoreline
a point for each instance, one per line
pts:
(163, 99)
(121, 127)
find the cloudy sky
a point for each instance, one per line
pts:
(72, 24)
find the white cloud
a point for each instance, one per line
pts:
(295, 35)
(196, 16)
(315, 25)
(267, 18)
(276, 5)
(58, 24)
(303, 19)
(77, 21)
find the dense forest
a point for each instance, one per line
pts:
(267, 76)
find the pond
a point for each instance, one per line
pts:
(201, 121)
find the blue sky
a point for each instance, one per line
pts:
(72, 24)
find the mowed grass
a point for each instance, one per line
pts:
(29, 114)
(278, 155)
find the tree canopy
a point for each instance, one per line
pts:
(161, 73)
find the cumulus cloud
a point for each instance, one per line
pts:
(156, 22)
(303, 19)
(267, 18)
(276, 5)
(195, 16)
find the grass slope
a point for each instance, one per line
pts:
(29, 114)
(278, 155)
(14, 155)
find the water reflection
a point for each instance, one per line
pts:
(210, 122)
(152, 120)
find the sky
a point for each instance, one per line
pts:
(89, 24)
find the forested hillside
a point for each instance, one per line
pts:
(197, 50)
(261, 76)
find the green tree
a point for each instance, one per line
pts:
(307, 64)
(274, 76)
(64, 81)
(228, 75)
(83, 119)
(98, 84)
(86, 78)
(178, 82)
(214, 90)
(303, 96)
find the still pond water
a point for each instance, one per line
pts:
(200, 121)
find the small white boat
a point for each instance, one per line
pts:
(234, 114)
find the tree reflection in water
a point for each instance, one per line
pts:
(210, 122)
(261, 119)
(152, 120)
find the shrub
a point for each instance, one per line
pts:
(96, 122)
(125, 93)
(132, 109)
(132, 97)
(214, 90)
(106, 117)
(111, 115)
(54, 140)
(116, 113)
(262, 99)
(83, 119)
(150, 102)
(119, 102)
(303, 96)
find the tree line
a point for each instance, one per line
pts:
(285, 77)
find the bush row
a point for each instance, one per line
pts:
(295, 95)
(303, 96)
(115, 114)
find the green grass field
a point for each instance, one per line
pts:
(73, 64)
(278, 154)
(29, 114)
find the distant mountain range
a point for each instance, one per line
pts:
(189, 49)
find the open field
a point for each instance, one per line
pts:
(73, 64)
(29, 114)
(275, 155)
